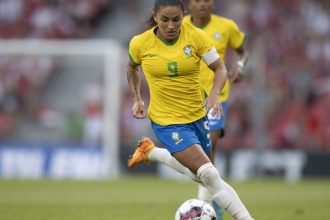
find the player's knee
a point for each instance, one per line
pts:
(209, 175)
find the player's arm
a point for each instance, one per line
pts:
(134, 82)
(237, 41)
(214, 62)
(237, 74)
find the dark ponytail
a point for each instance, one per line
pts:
(151, 22)
(161, 3)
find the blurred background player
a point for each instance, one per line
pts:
(170, 54)
(224, 33)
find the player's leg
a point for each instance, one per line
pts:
(216, 126)
(202, 190)
(174, 138)
(147, 152)
(222, 193)
(196, 160)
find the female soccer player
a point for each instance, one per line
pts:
(224, 34)
(170, 54)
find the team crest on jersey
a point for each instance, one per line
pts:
(217, 35)
(187, 50)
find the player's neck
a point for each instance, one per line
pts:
(162, 38)
(200, 22)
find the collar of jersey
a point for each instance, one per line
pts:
(200, 27)
(165, 41)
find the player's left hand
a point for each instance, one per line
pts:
(212, 102)
(236, 75)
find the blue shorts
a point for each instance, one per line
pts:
(181, 136)
(218, 123)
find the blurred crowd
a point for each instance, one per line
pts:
(48, 18)
(284, 102)
(23, 77)
(289, 75)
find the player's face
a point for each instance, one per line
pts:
(169, 20)
(201, 8)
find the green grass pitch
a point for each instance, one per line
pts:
(151, 198)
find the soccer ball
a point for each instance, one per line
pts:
(195, 209)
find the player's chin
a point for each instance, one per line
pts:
(171, 36)
(203, 13)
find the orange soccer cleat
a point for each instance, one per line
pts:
(145, 145)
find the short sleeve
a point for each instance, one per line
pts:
(134, 52)
(236, 36)
(204, 43)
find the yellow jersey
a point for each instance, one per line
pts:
(224, 33)
(172, 72)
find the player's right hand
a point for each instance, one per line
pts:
(138, 110)
(236, 75)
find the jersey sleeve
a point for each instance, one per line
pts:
(236, 36)
(204, 43)
(134, 52)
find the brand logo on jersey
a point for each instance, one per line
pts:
(187, 50)
(152, 55)
(217, 35)
(176, 137)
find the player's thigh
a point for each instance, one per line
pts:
(192, 157)
(215, 135)
(178, 137)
